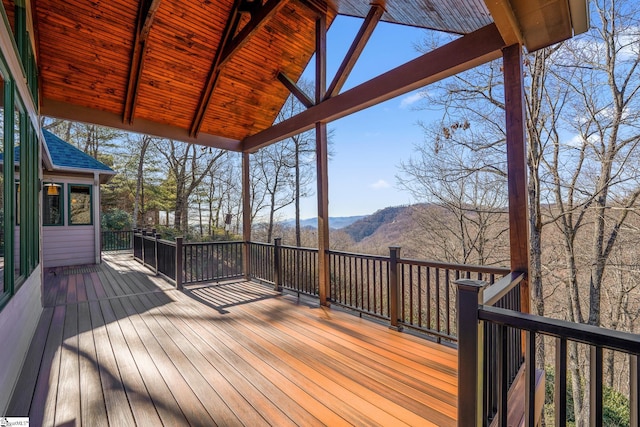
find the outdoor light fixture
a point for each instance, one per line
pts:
(53, 189)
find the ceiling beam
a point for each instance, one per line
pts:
(360, 41)
(146, 14)
(506, 21)
(229, 45)
(295, 90)
(63, 110)
(464, 53)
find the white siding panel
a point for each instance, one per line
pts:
(18, 321)
(68, 246)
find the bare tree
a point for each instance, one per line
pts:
(188, 164)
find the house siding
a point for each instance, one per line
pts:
(74, 245)
(18, 321)
(66, 244)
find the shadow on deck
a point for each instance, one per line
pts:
(117, 346)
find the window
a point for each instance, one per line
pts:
(80, 212)
(18, 120)
(4, 284)
(52, 204)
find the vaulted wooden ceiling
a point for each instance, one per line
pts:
(212, 72)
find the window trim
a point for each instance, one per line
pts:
(69, 221)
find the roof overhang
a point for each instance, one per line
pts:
(217, 73)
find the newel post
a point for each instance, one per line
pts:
(179, 262)
(470, 352)
(277, 264)
(394, 297)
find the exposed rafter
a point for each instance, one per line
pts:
(295, 90)
(214, 73)
(462, 54)
(360, 41)
(146, 15)
(319, 7)
(229, 46)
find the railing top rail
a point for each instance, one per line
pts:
(167, 242)
(261, 244)
(493, 293)
(580, 332)
(460, 267)
(299, 249)
(364, 256)
(222, 242)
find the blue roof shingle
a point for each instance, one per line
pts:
(64, 155)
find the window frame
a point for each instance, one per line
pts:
(69, 201)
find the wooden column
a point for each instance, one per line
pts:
(517, 166)
(322, 162)
(246, 215)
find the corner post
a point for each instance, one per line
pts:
(470, 352)
(277, 264)
(179, 263)
(322, 168)
(394, 293)
(517, 166)
(246, 217)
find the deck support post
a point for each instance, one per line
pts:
(394, 294)
(517, 166)
(179, 263)
(470, 352)
(277, 263)
(246, 216)
(322, 169)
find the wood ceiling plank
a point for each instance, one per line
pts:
(228, 47)
(69, 111)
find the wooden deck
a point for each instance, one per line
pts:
(117, 346)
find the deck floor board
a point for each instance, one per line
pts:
(119, 346)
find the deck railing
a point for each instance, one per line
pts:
(116, 240)
(489, 355)
(188, 263)
(211, 261)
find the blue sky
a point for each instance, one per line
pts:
(368, 146)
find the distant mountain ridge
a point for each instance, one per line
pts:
(335, 222)
(368, 225)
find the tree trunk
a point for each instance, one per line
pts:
(139, 179)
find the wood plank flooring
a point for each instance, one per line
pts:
(117, 346)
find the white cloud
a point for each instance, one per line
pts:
(410, 100)
(381, 184)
